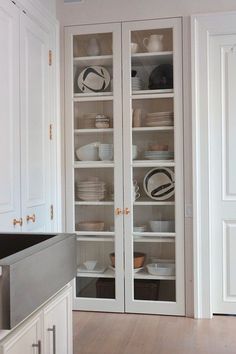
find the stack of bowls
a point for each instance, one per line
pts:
(102, 121)
(91, 190)
(105, 152)
(88, 152)
(159, 119)
(136, 83)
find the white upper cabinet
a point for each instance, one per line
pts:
(9, 121)
(25, 84)
(35, 142)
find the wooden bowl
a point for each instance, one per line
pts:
(138, 260)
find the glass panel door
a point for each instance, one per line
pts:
(96, 166)
(153, 136)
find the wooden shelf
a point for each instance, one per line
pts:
(153, 163)
(155, 234)
(142, 274)
(95, 239)
(93, 164)
(152, 129)
(104, 60)
(95, 233)
(88, 97)
(149, 94)
(81, 202)
(109, 273)
(147, 239)
(93, 130)
(153, 58)
(153, 202)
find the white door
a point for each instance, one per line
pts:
(26, 341)
(152, 49)
(35, 143)
(222, 112)
(9, 121)
(58, 325)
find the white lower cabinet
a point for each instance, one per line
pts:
(49, 331)
(25, 340)
(58, 326)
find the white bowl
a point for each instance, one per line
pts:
(161, 268)
(88, 152)
(134, 152)
(162, 226)
(90, 265)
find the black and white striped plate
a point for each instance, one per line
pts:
(159, 183)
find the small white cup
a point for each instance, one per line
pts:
(134, 47)
(105, 152)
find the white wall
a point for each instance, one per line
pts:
(96, 11)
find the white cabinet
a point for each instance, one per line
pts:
(27, 340)
(24, 133)
(49, 331)
(58, 325)
(125, 165)
(10, 113)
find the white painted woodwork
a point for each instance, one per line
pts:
(99, 245)
(113, 171)
(35, 143)
(214, 82)
(59, 315)
(222, 129)
(9, 122)
(139, 306)
(56, 312)
(22, 341)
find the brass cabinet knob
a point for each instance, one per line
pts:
(118, 211)
(31, 218)
(127, 211)
(17, 222)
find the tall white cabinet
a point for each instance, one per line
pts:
(25, 194)
(124, 155)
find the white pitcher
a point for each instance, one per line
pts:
(154, 43)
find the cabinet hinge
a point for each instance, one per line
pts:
(51, 212)
(50, 57)
(50, 131)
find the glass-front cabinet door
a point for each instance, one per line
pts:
(153, 167)
(94, 171)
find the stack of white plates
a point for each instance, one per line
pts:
(136, 83)
(159, 155)
(159, 119)
(89, 120)
(91, 190)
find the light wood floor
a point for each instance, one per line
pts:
(105, 333)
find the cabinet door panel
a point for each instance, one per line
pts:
(34, 125)
(58, 330)
(9, 122)
(26, 340)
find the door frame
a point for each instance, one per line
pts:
(202, 27)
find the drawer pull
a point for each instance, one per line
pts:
(17, 222)
(31, 218)
(127, 211)
(118, 211)
(53, 330)
(38, 346)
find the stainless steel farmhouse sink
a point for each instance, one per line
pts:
(33, 267)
